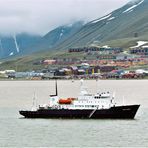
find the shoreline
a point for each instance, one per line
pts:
(67, 79)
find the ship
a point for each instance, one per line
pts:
(86, 106)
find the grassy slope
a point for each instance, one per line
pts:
(26, 63)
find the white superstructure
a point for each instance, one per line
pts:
(101, 100)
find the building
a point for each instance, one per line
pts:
(124, 56)
(139, 51)
(88, 49)
(106, 68)
(106, 56)
(49, 62)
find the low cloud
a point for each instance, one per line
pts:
(41, 16)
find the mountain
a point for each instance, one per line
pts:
(23, 44)
(13, 45)
(122, 27)
(125, 25)
(61, 33)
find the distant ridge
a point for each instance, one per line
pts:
(24, 44)
(121, 24)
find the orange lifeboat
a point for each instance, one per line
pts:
(72, 99)
(65, 101)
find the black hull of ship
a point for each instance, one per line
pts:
(118, 112)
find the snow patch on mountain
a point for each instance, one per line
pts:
(106, 46)
(132, 2)
(12, 53)
(111, 18)
(102, 18)
(71, 24)
(140, 43)
(16, 45)
(62, 32)
(130, 11)
(146, 46)
(133, 6)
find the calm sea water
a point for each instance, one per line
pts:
(16, 131)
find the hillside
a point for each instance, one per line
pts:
(130, 21)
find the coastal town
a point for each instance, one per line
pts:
(98, 62)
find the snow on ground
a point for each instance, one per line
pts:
(146, 46)
(102, 18)
(61, 34)
(16, 45)
(11, 54)
(132, 7)
(140, 43)
(106, 46)
(130, 11)
(111, 18)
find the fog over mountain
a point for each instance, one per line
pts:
(42, 16)
(117, 26)
(23, 43)
(121, 25)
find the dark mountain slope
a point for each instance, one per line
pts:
(119, 24)
(25, 44)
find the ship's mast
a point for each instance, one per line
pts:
(34, 103)
(56, 89)
(83, 90)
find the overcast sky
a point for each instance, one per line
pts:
(41, 16)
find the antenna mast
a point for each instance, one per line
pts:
(56, 89)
